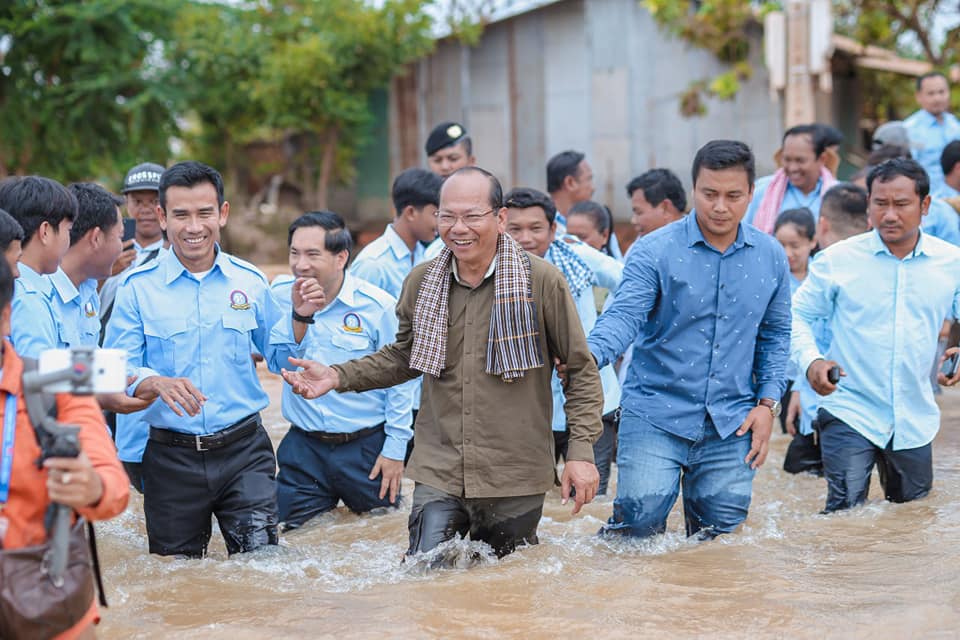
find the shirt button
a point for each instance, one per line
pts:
(466, 381)
(716, 347)
(467, 411)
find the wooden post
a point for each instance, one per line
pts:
(799, 92)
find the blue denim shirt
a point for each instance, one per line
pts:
(712, 330)
(172, 324)
(885, 316)
(928, 137)
(359, 321)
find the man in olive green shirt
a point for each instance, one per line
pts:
(484, 456)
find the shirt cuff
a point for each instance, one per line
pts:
(142, 374)
(806, 359)
(580, 451)
(769, 390)
(394, 448)
(344, 380)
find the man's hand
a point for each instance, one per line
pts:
(582, 476)
(175, 392)
(942, 379)
(313, 380)
(126, 258)
(760, 421)
(817, 375)
(561, 368)
(793, 413)
(121, 403)
(307, 296)
(73, 481)
(391, 472)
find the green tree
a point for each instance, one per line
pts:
(81, 94)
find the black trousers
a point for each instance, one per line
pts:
(503, 523)
(604, 449)
(183, 488)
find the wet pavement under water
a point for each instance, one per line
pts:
(879, 571)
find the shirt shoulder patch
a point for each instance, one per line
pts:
(138, 271)
(247, 266)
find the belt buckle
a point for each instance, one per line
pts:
(199, 444)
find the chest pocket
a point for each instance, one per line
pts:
(347, 346)
(238, 326)
(165, 342)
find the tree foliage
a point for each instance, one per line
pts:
(80, 90)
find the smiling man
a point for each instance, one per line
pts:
(706, 302)
(189, 321)
(884, 295)
(482, 323)
(343, 446)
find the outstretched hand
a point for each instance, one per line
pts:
(312, 380)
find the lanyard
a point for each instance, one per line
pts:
(6, 454)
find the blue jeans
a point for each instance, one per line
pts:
(652, 464)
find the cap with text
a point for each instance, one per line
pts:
(143, 177)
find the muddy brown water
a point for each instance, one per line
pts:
(880, 571)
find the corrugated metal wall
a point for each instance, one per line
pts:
(593, 75)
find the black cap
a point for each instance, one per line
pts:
(143, 177)
(444, 135)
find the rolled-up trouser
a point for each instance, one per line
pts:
(503, 523)
(183, 487)
(848, 460)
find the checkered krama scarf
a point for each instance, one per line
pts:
(513, 345)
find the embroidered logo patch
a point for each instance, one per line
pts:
(351, 323)
(88, 310)
(238, 300)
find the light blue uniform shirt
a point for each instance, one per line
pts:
(712, 330)
(33, 323)
(809, 399)
(942, 221)
(944, 191)
(385, 263)
(792, 199)
(360, 320)
(434, 249)
(928, 137)
(77, 311)
(172, 324)
(885, 316)
(608, 272)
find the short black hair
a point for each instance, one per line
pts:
(906, 167)
(844, 205)
(830, 135)
(189, 174)
(337, 237)
(6, 284)
(496, 190)
(415, 188)
(801, 217)
(884, 153)
(599, 214)
(817, 135)
(929, 74)
(565, 163)
(33, 200)
(658, 185)
(950, 156)
(97, 208)
(524, 197)
(10, 230)
(717, 155)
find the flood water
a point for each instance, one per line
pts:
(880, 571)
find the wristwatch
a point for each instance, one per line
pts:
(773, 405)
(303, 319)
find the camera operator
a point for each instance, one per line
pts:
(94, 483)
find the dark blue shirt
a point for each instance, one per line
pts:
(710, 331)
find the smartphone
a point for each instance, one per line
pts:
(951, 365)
(129, 229)
(108, 375)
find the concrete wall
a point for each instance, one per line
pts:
(593, 75)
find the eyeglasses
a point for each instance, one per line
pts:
(472, 220)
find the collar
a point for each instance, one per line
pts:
(34, 280)
(63, 285)
(347, 293)
(746, 234)
(174, 268)
(490, 269)
(813, 194)
(396, 243)
(11, 382)
(877, 245)
(150, 247)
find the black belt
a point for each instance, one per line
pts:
(339, 438)
(213, 441)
